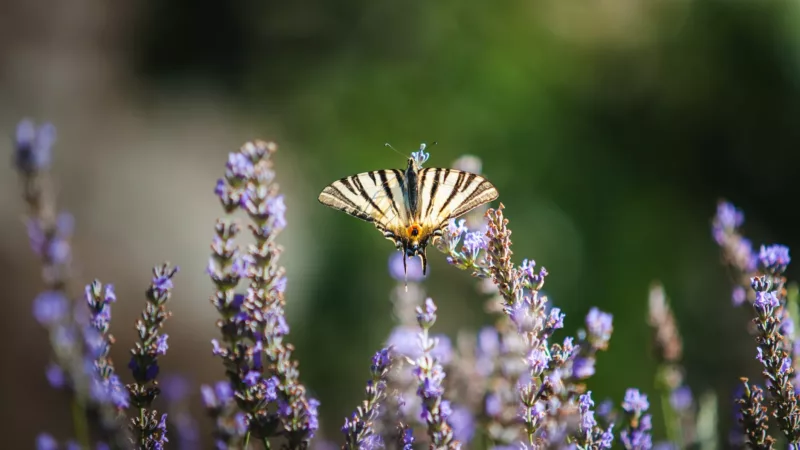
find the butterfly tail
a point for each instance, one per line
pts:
(424, 260)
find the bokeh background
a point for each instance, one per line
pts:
(610, 128)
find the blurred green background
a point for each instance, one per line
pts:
(609, 127)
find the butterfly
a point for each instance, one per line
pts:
(412, 207)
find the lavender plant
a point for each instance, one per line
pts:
(149, 429)
(514, 383)
(257, 360)
(359, 430)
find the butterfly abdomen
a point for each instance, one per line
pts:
(412, 193)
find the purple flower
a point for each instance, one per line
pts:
(726, 221)
(455, 228)
(488, 342)
(174, 388)
(786, 365)
(585, 404)
(187, 430)
(430, 381)
(787, 327)
(221, 189)
(275, 324)
(681, 398)
(583, 368)
(638, 438)
(277, 211)
(50, 307)
(46, 442)
(55, 376)
(430, 375)
(109, 391)
(210, 398)
(427, 316)
(493, 405)
(739, 296)
(774, 258)
(252, 378)
(408, 438)
(765, 302)
(463, 424)
(635, 401)
(599, 324)
(474, 242)
(728, 216)
(605, 408)
(161, 344)
(33, 146)
(537, 360)
(414, 266)
(381, 361)
(555, 320)
(311, 415)
(239, 167)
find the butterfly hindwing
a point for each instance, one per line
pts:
(376, 196)
(449, 193)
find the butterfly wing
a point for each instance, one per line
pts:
(376, 197)
(448, 193)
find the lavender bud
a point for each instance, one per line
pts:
(774, 259)
(426, 317)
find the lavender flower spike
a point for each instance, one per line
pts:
(255, 350)
(774, 354)
(754, 418)
(590, 435)
(359, 430)
(107, 386)
(636, 434)
(430, 375)
(33, 146)
(150, 429)
(49, 232)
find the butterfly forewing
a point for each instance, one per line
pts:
(375, 196)
(449, 193)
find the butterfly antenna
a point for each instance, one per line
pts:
(390, 146)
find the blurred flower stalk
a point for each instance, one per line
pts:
(517, 383)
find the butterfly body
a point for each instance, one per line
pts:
(409, 207)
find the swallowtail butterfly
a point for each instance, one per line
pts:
(410, 207)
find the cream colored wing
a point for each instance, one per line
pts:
(377, 197)
(449, 193)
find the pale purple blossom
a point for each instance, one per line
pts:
(414, 266)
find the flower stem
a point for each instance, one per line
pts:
(671, 421)
(246, 440)
(79, 422)
(141, 426)
(266, 444)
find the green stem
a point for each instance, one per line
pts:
(266, 444)
(671, 420)
(246, 441)
(79, 422)
(141, 426)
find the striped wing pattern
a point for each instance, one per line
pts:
(449, 193)
(376, 197)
